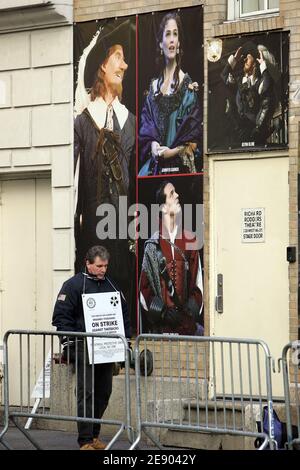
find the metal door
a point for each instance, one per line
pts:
(249, 270)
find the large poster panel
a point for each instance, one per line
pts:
(171, 255)
(170, 70)
(248, 92)
(138, 130)
(104, 144)
(170, 165)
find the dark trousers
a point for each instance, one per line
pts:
(102, 391)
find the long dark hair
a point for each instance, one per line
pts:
(160, 60)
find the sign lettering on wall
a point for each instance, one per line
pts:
(253, 225)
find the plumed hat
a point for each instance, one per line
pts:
(111, 34)
(250, 47)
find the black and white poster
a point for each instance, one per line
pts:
(248, 92)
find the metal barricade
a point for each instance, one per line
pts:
(38, 378)
(291, 381)
(205, 386)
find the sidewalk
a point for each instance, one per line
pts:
(58, 440)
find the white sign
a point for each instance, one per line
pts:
(253, 225)
(103, 314)
(42, 388)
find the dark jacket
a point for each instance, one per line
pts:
(68, 310)
(182, 268)
(98, 185)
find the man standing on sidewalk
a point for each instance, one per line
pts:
(94, 382)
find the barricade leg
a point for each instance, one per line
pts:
(291, 380)
(26, 434)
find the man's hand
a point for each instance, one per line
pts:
(131, 356)
(159, 312)
(191, 308)
(261, 59)
(238, 54)
(68, 353)
(172, 316)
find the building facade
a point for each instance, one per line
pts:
(250, 288)
(36, 159)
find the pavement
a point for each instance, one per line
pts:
(63, 442)
(59, 440)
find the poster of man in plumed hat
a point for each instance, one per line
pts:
(249, 85)
(104, 138)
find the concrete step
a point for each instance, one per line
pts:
(223, 414)
(205, 440)
(244, 415)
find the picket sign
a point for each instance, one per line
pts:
(41, 390)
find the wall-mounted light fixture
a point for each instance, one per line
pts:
(214, 49)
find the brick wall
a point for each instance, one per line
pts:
(94, 9)
(287, 20)
(289, 11)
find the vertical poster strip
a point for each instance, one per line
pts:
(170, 179)
(248, 92)
(171, 92)
(104, 144)
(171, 255)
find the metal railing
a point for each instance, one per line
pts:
(33, 395)
(204, 384)
(209, 385)
(291, 381)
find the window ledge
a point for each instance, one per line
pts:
(254, 17)
(248, 25)
(41, 15)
